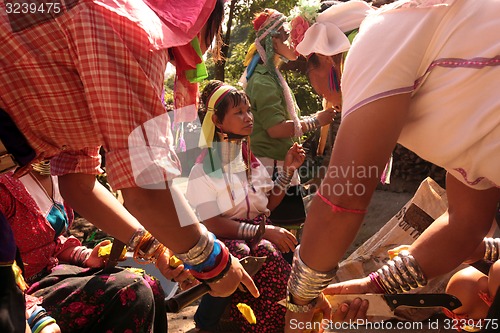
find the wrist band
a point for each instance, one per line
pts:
(134, 240)
(305, 282)
(222, 274)
(339, 209)
(200, 252)
(283, 180)
(400, 274)
(211, 261)
(492, 250)
(217, 267)
(375, 279)
(247, 230)
(310, 123)
(295, 308)
(36, 313)
(79, 256)
(42, 323)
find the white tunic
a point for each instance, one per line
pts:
(203, 188)
(447, 55)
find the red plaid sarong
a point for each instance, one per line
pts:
(88, 76)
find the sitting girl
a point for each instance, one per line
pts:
(233, 194)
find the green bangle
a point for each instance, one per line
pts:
(40, 325)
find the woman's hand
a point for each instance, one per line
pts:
(294, 158)
(282, 238)
(351, 311)
(296, 322)
(94, 260)
(347, 311)
(176, 274)
(232, 280)
(355, 309)
(326, 116)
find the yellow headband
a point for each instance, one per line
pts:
(208, 126)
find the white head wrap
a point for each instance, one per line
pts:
(327, 35)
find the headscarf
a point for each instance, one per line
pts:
(208, 126)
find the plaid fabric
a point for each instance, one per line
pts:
(85, 77)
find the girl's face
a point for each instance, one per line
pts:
(282, 46)
(321, 79)
(237, 120)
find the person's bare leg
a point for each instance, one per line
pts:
(466, 285)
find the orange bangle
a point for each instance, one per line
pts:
(145, 242)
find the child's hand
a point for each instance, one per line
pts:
(294, 158)
(95, 260)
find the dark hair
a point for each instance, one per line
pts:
(313, 61)
(232, 99)
(214, 29)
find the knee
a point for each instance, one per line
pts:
(136, 293)
(240, 250)
(466, 286)
(494, 279)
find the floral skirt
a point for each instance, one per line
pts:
(88, 300)
(271, 280)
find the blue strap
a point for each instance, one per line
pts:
(210, 262)
(34, 314)
(252, 65)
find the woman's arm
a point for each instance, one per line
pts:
(293, 160)
(286, 129)
(451, 239)
(95, 203)
(363, 145)
(164, 213)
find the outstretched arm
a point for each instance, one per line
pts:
(95, 203)
(452, 239)
(363, 145)
(164, 213)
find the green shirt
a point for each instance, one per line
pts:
(269, 109)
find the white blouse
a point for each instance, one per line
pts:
(448, 57)
(250, 200)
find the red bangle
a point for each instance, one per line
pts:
(338, 209)
(375, 280)
(224, 258)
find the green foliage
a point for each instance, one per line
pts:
(234, 64)
(168, 84)
(307, 100)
